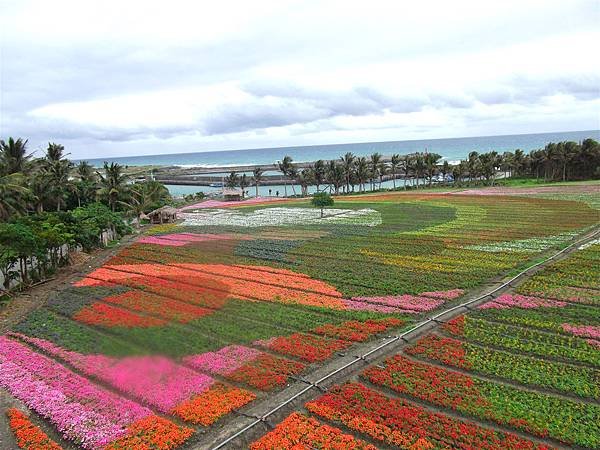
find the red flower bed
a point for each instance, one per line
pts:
(154, 304)
(304, 346)
(208, 407)
(447, 350)
(300, 432)
(266, 372)
(456, 326)
(400, 423)
(28, 435)
(152, 432)
(112, 316)
(353, 330)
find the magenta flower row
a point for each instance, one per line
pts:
(80, 410)
(222, 362)
(588, 331)
(155, 380)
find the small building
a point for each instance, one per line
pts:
(230, 194)
(166, 214)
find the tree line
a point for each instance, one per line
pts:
(49, 203)
(350, 173)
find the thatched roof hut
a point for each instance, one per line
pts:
(166, 214)
(232, 194)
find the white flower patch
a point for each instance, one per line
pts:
(589, 244)
(525, 245)
(282, 217)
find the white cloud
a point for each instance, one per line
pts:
(178, 76)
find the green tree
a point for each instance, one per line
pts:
(13, 156)
(394, 164)
(348, 165)
(257, 177)
(13, 195)
(323, 199)
(284, 167)
(319, 172)
(244, 183)
(113, 185)
(232, 180)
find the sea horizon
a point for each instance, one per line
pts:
(451, 149)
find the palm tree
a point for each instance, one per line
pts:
(284, 167)
(232, 180)
(304, 179)
(394, 164)
(445, 170)
(244, 183)
(113, 184)
(59, 184)
(143, 196)
(257, 177)
(86, 184)
(13, 192)
(348, 165)
(336, 176)
(318, 169)
(54, 152)
(406, 167)
(518, 161)
(374, 166)
(13, 156)
(292, 175)
(419, 166)
(362, 172)
(473, 164)
(382, 170)
(431, 161)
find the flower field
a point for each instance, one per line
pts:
(178, 335)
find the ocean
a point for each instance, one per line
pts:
(451, 149)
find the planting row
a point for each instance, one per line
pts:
(537, 413)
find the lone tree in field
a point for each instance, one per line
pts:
(321, 200)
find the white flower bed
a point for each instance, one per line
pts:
(589, 244)
(525, 245)
(282, 217)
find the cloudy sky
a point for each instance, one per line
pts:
(118, 78)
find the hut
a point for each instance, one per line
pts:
(232, 194)
(166, 214)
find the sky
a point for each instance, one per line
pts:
(121, 78)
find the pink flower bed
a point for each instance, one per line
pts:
(80, 410)
(220, 204)
(222, 362)
(587, 331)
(402, 303)
(181, 239)
(412, 304)
(521, 301)
(156, 380)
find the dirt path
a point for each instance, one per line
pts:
(22, 303)
(260, 417)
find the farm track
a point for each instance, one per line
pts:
(238, 433)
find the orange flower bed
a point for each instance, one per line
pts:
(299, 432)
(241, 282)
(208, 407)
(152, 432)
(304, 346)
(112, 316)
(28, 435)
(153, 304)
